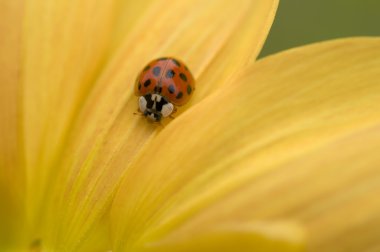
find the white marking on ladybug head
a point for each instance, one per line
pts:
(167, 109)
(155, 106)
(156, 97)
(142, 104)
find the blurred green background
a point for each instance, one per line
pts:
(300, 22)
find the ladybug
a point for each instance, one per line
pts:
(161, 86)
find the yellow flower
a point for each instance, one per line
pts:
(279, 154)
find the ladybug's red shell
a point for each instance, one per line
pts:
(168, 77)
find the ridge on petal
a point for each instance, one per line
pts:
(12, 170)
(230, 237)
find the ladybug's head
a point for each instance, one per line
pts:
(155, 106)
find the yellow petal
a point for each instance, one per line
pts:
(105, 136)
(11, 163)
(64, 47)
(333, 195)
(332, 190)
(279, 109)
(242, 237)
(242, 48)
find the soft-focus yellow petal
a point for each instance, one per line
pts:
(332, 194)
(233, 237)
(65, 45)
(106, 136)
(332, 190)
(11, 162)
(241, 48)
(280, 109)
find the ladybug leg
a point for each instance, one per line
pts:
(174, 111)
(138, 112)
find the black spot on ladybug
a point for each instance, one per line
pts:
(146, 68)
(170, 74)
(179, 95)
(157, 89)
(147, 83)
(176, 62)
(160, 104)
(171, 89)
(163, 58)
(187, 69)
(149, 101)
(139, 86)
(183, 76)
(189, 89)
(156, 71)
